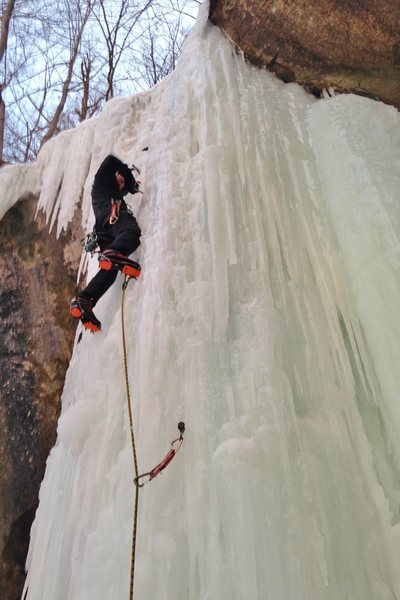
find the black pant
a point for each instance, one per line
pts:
(124, 237)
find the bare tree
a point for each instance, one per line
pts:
(161, 42)
(78, 14)
(5, 26)
(34, 129)
(117, 31)
(5, 29)
(89, 103)
(63, 60)
(21, 50)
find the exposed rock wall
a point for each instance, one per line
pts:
(38, 275)
(349, 45)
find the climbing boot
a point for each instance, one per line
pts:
(111, 259)
(81, 308)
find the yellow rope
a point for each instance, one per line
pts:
(128, 395)
(181, 427)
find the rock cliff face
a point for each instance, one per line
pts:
(347, 45)
(38, 275)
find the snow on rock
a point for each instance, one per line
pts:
(17, 182)
(266, 318)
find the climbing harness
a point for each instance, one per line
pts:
(175, 446)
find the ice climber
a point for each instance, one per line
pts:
(118, 235)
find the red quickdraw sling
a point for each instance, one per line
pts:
(175, 447)
(114, 215)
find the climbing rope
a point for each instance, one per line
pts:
(128, 396)
(175, 446)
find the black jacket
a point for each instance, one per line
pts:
(105, 187)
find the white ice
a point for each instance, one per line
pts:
(266, 317)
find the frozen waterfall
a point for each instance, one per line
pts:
(266, 317)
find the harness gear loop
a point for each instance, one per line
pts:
(128, 395)
(114, 216)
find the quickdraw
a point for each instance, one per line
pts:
(166, 460)
(114, 216)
